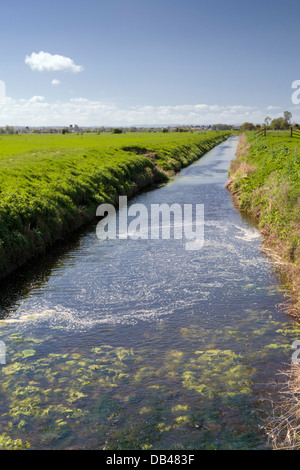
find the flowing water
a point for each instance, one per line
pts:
(141, 344)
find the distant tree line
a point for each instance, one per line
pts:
(8, 130)
(280, 123)
(221, 127)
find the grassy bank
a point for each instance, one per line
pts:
(55, 183)
(265, 181)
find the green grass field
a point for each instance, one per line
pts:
(20, 144)
(52, 184)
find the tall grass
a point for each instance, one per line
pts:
(266, 179)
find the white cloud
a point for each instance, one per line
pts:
(55, 82)
(36, 99)
(43, 61)
(36, 111)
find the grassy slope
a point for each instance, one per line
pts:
(56, 183)
(265, 180)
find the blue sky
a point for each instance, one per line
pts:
(147, 61)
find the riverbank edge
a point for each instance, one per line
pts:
(284, 427)
(151, 176)
(272, 244)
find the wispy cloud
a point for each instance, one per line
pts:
(55, 82)
(36, 111)
(273, 108)
(36, 99)
(43, 61)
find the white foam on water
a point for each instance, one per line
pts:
(71, 319)
(29, 316)
(247, 234)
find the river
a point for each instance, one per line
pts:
(141, 344)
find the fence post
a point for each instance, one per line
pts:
(291, 131)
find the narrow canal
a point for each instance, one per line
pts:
(141, 344)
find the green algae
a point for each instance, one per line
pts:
(6, 443)
(69, 395)
(28, 352)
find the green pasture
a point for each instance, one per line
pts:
(52, 184)
(21, 144)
